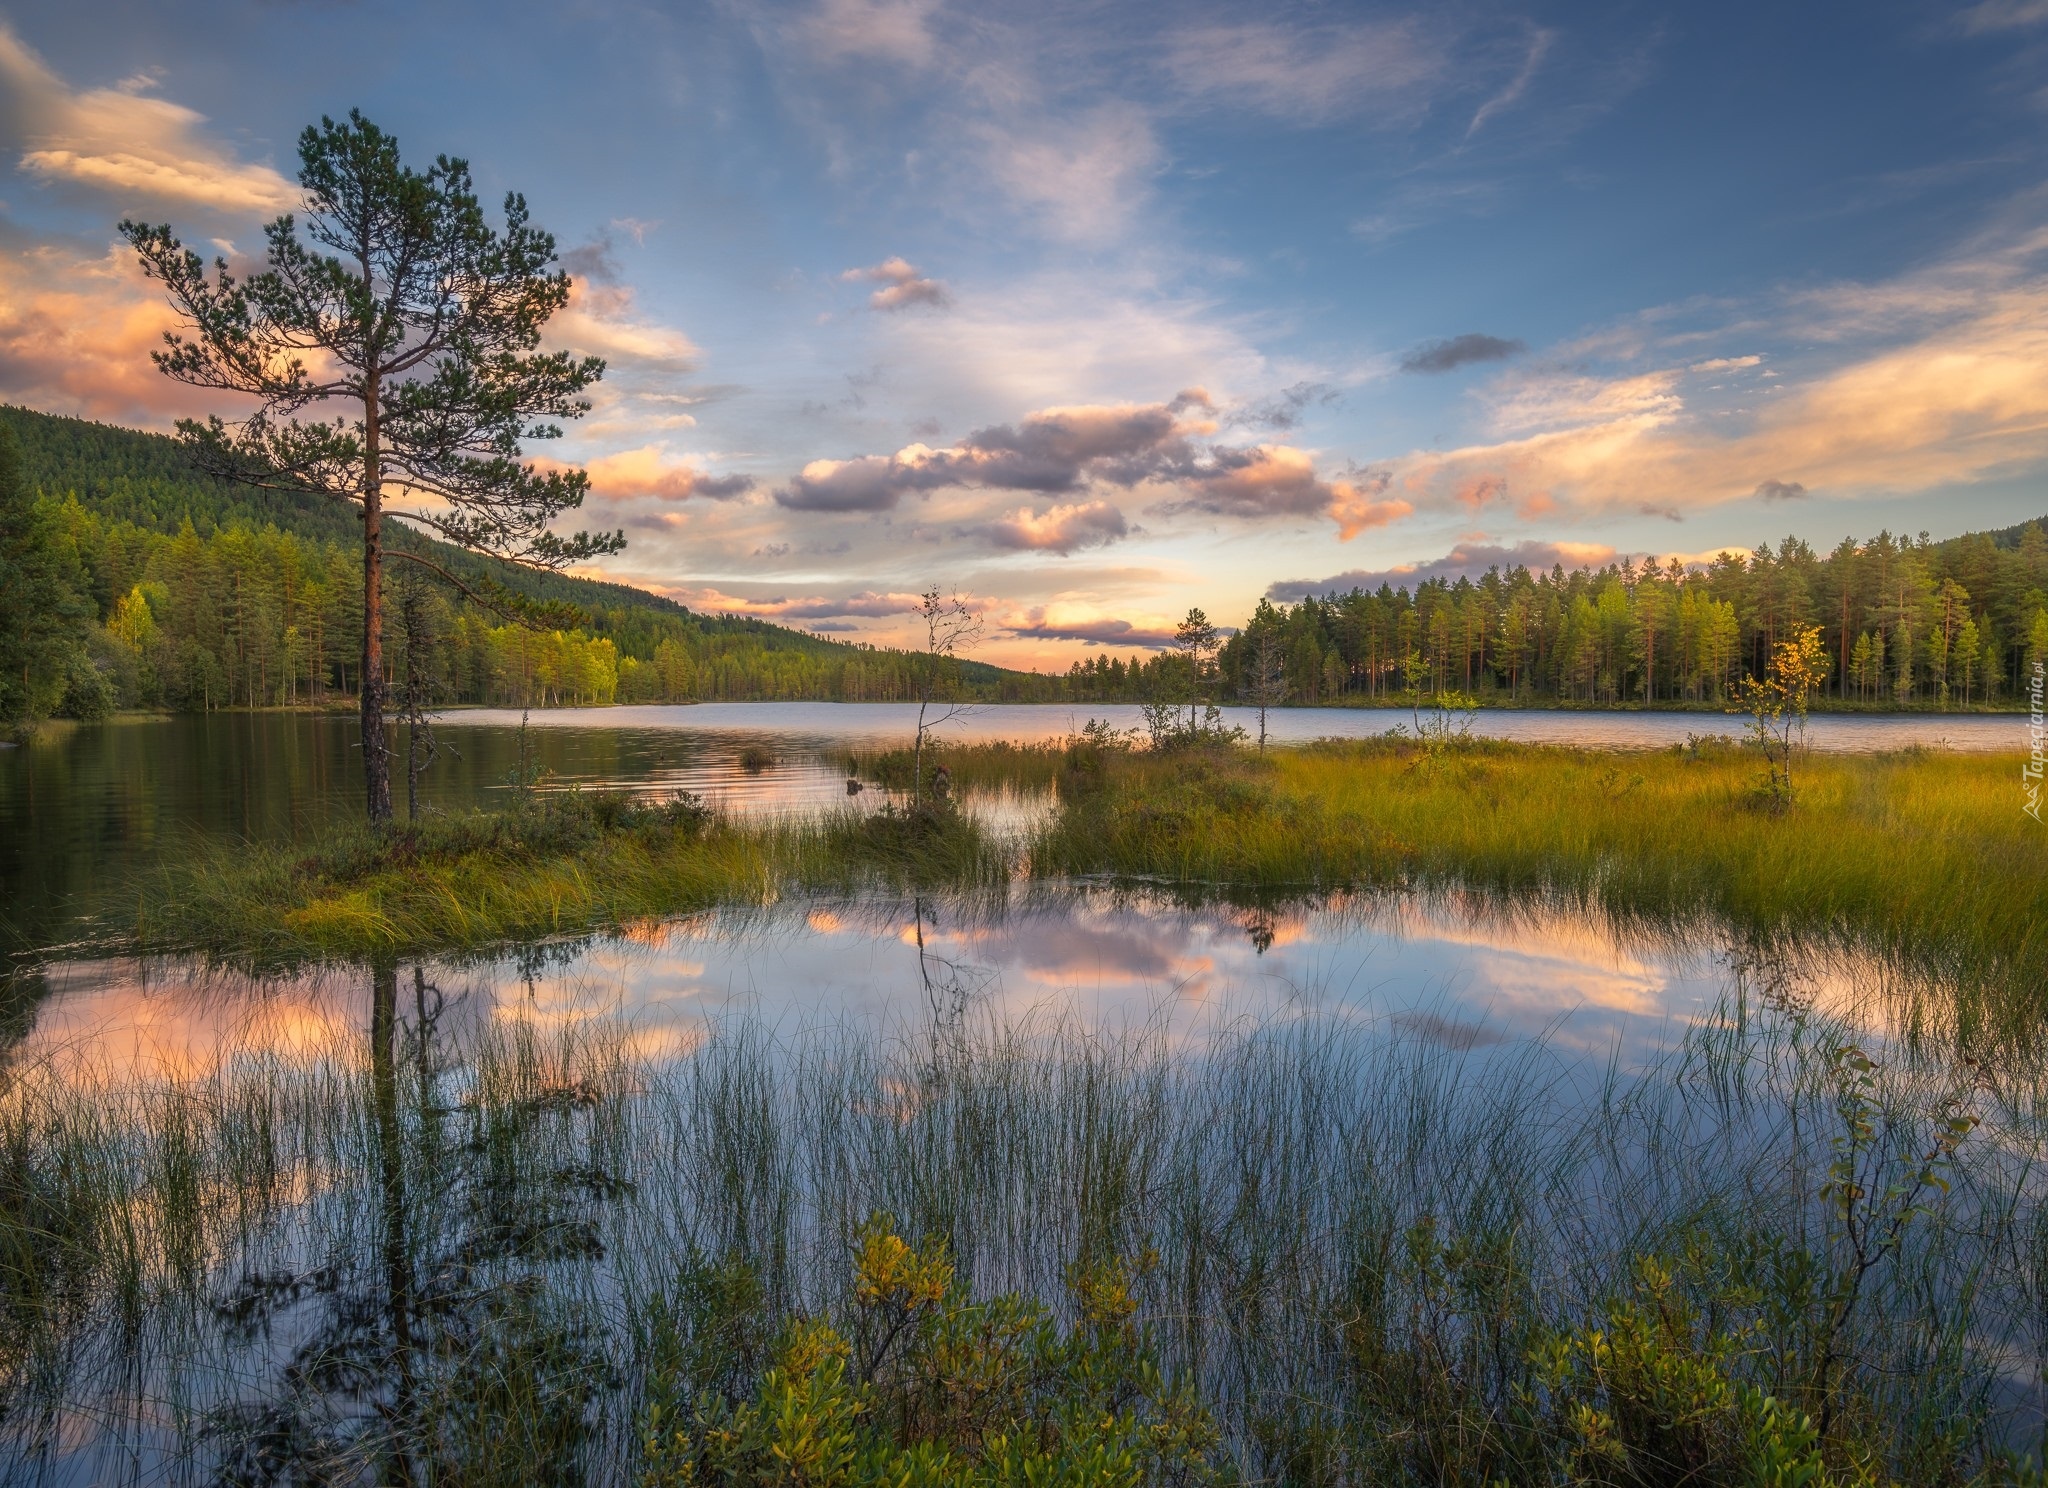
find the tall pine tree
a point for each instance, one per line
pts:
(398, 301)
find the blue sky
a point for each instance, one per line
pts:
(1098, 311)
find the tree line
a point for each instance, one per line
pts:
(1904, 623)
(256, 617)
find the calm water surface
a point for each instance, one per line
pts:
(1496, 997)
(1454, 972)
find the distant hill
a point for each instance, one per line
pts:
(126, 475)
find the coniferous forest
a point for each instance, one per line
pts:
(169, 589)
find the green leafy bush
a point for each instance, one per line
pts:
(923, 1386)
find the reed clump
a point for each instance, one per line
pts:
(996, 763)
(1922, 858)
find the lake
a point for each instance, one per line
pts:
(1209, 1077)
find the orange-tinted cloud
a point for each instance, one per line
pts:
(76, 334)
(1962, 397)
(649, 471)
(1058, 529)
(603, 320)
(902, 286)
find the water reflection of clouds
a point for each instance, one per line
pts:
(1442, 969)
(1456, 970)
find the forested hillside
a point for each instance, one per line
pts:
(215, 595)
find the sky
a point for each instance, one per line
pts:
(1094, 312)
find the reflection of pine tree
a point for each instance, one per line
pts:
(413, 1354)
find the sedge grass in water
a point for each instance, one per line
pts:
(1924, 857)
(1307, 1250)
(564, 863)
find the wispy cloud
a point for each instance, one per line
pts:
(1539, 47)
(864, 604)
(1311, 74)
(870, 30)
(2002, 15)
(123, 143)
(1079, 177)
(1946, 382)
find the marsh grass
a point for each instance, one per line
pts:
(1922, 857)
(565, 863)
(993, 764)
(1370, 1258)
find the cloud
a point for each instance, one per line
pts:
(649, 472)
(1460, 351)
(1058, 529)
(1284, 409)
(867, 604)
(1052, 450)
(2003, 15)
(1080, 176)
(601, 320)
(119, 142)
(1539, 47)
(1073, 622)
(1941, 379)
(902, 286)
(1260, 480)
(1482, 490)
(76, 331)
(1310, 75)
(1278, 480)
(1726, 364)
(878, 30)
(1466, 560)
(1056, 451)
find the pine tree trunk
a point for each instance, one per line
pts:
(376, 758)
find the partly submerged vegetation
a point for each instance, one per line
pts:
(1301, 1253)
(1922, 858)
(556, 863)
